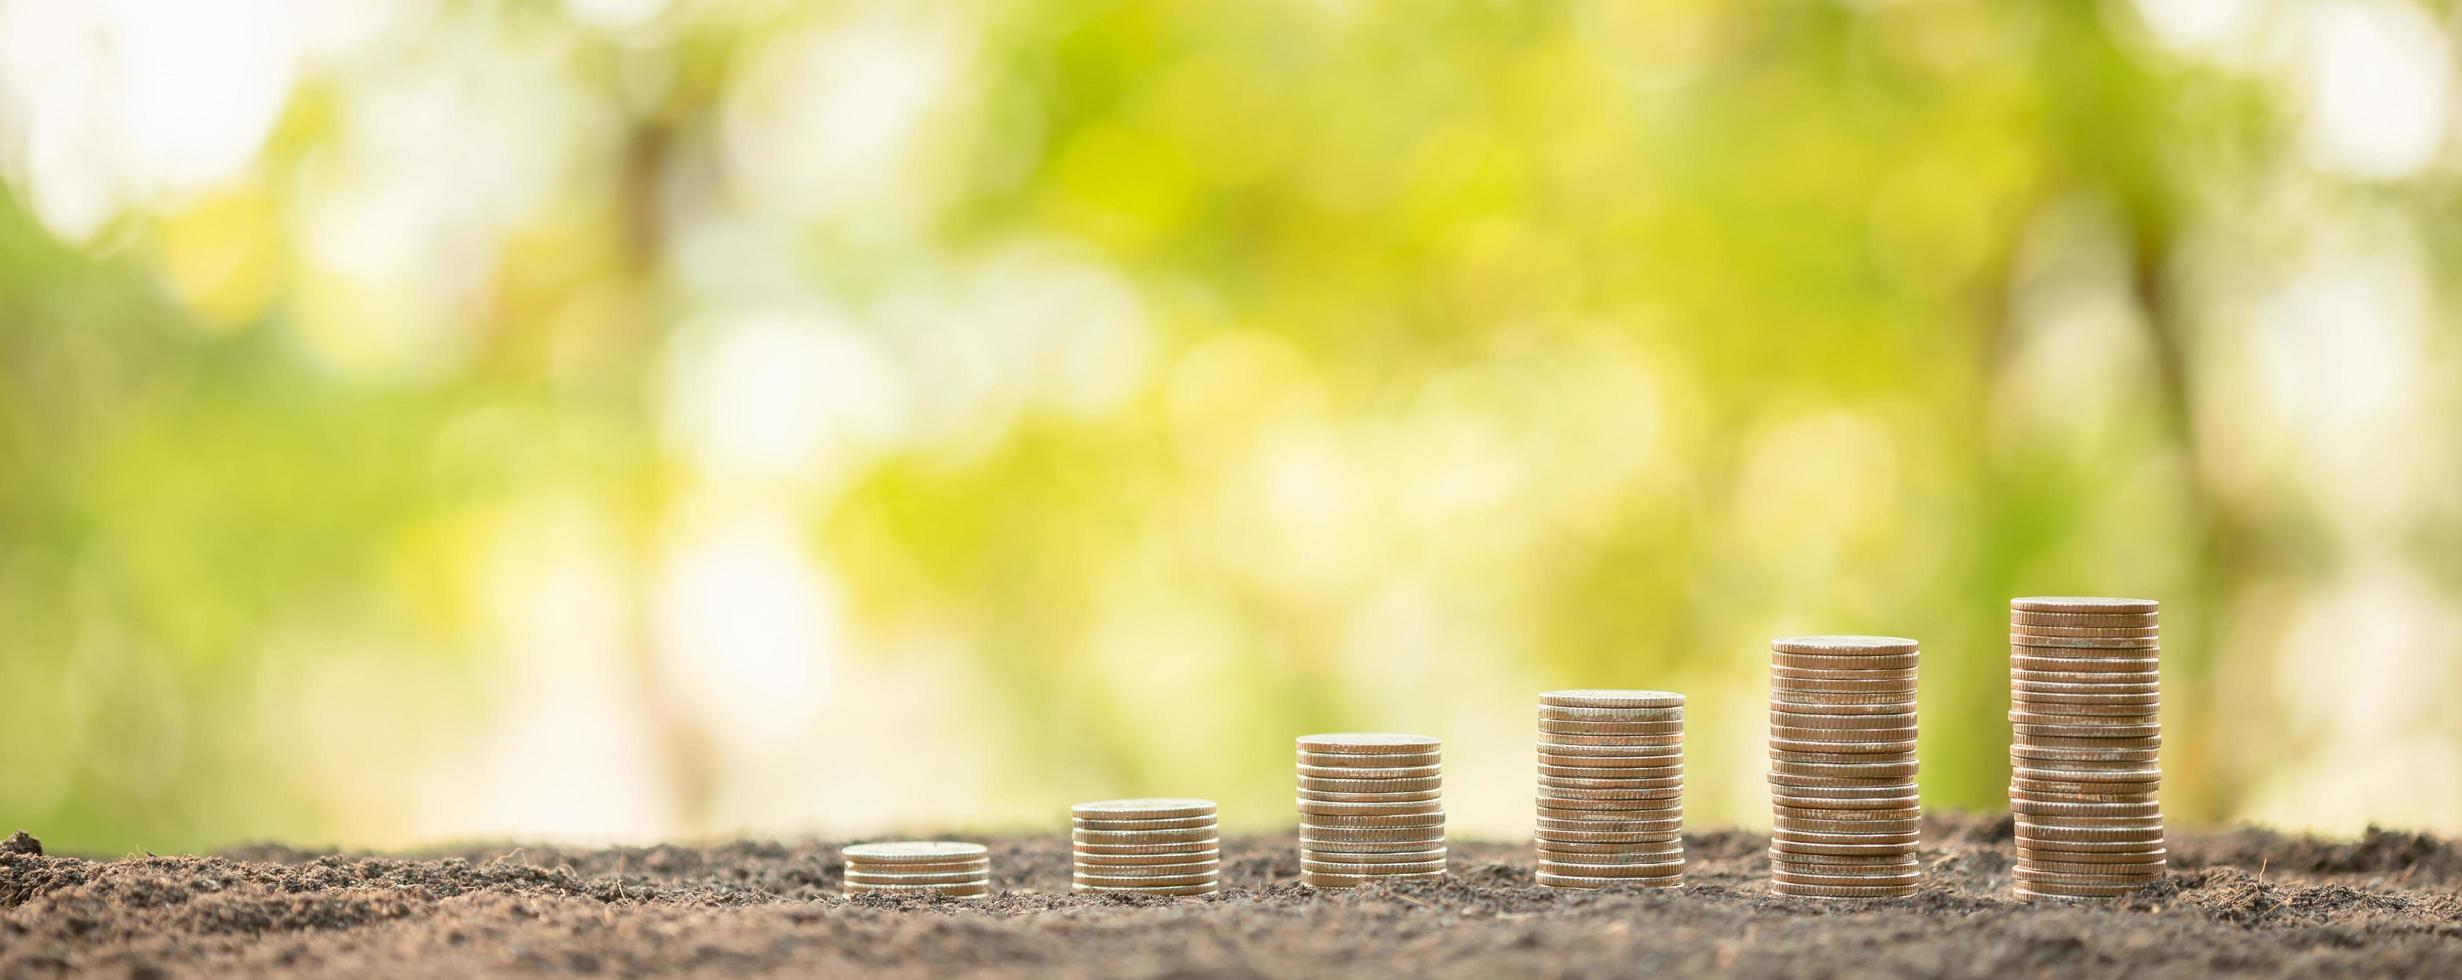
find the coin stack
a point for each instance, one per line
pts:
(931, 867)
(2085, 745)
(1371, 807)
(1147, 846)
(1611, 789)
(1842, 767)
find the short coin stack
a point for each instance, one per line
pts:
(1611, 789)
(2086, 744)
(1371, 807)
(934, 867)
(1845, 818)
(1145, 846)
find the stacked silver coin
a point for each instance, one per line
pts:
(1371, 807)
(1611, 789)
(1845, 817)
(936, 867)
(2086, 745)
(1147, 846)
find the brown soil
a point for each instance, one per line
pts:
(2240, 902)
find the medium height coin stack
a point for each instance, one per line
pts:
(1845, 818)
(1145, 846)
(1371, 807)
(950, 869)
(2086, 745)
(1611, 789)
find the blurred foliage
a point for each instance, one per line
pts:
(617, 420)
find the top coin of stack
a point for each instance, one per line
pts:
(1145, 846)
(950, 869)
(1371, 807)
(1611, 789)
(1845, 818)
(2085, 745)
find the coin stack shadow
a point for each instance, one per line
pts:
(950, 869)
(2085, 745)
(1844, 812)
(1165, 846)
(1371, 807)
(1611, 789)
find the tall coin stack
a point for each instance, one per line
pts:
(1371, 807)
(2085, 746)
(933, 867)
(1611, 789)
(1845, 817)
(1145, 846)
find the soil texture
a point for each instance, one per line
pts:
(2237, 902)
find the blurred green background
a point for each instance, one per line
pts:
(652, 419)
